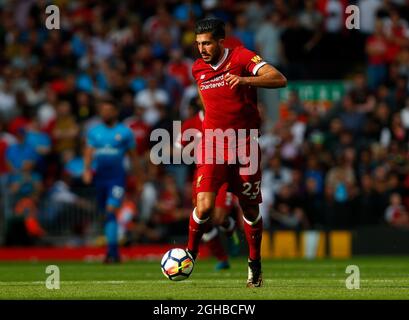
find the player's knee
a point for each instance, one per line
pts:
(204, 207)
(203, 210)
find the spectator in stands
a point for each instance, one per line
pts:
(40, 142)
(313, 22)
(275, 176)
(294, 40)
(361, 94)
(152, 99)
(313, 203)
(83, 107)
(243, 32)
(46, 110)
(351, 118)
(404, 114)
(368, 14)
(267, 39)
(23, 228)
(396, 214)
(397, 34)
(376, 48)
(288, 149)
(368, 205)
(6, 139)
(65, 131)
(65, 208)
(7, 97)
(187, 10)
(127, 105)
(311, 19)
(365, 164)
(340, 185)
(179, 67)
(332, 136)
(287, 212)
(24, 184)
(397, 130)
(21, 155)
(315, 174)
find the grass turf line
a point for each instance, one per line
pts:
(381, 278)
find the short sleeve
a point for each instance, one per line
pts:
(250, 60)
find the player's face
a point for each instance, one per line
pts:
(108, 113)
(209, 48)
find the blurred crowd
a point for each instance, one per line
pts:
(343, 167)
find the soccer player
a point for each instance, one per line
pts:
(107, 145)
(227, 80)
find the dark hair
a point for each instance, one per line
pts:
(107, 100)
(214, 26)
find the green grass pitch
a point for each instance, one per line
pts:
(380, 278)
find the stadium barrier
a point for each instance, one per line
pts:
(307, 244)
(88, 254)
(62, 216)
(337, 244)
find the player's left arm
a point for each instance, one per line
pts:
(131, 152)
(133, 158)
(267, 77)
(88, 156)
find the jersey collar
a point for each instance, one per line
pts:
(216, 66)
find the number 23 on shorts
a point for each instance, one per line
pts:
(251, 190)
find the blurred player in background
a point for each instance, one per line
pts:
(224, 203)
(107, 145)
(227, 80)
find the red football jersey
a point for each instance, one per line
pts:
(195, 122)
(141, 133)
(225, 107)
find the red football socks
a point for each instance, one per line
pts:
(253, 231)
(196, 229)
(214, 243)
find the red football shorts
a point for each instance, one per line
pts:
(242, 181)
(224, 198)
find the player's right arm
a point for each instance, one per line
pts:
(88, 156)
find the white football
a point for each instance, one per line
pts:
(177, 264)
